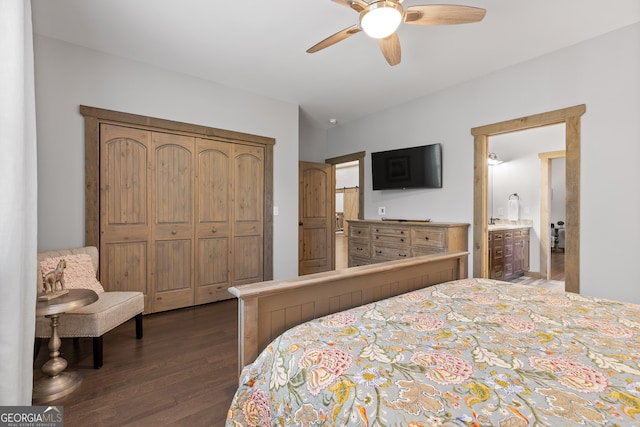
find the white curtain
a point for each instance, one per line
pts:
(18, 203)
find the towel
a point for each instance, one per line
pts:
(513, 210)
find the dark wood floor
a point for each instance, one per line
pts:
(182, 373)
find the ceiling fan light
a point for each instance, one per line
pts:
(381, 19)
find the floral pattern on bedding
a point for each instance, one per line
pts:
(472, 352)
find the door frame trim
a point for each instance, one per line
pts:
(359, 156)
(571, 118)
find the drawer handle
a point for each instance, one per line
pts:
(402, 255)
(174, 232)
(426, 238)
(214, 230)
(377, 230)
(377, 237)
(378, 252)
(401, 232)
(402, 240)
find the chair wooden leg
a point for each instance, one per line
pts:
(139, 326)
(97, 352)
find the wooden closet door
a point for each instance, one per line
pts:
(248, 213)
(213, 220)
(124, 209)
(172, 208)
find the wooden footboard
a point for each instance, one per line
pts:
(266, 309)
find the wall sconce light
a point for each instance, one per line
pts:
(493, 159)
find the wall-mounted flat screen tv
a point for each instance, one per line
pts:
(414, 167)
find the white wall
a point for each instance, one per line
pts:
(601, 73)
(347, 176)
(68, 76)
(314, 136)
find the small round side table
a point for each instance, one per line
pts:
(57, 383)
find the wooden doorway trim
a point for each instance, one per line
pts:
(359, 156)
(545, 209)
(571, 118)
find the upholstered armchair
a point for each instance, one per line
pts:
(112, 308)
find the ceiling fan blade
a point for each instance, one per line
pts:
(357, 5)
(390, 47)
(443, 14)
(331, 40)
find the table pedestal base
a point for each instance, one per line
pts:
(46, 389)
(56, 383)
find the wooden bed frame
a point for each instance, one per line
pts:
(266, 309)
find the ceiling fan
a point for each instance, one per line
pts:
(380, 19)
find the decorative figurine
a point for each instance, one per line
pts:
(51, 279)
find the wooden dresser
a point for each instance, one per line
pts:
(373, 241)
(508, 252)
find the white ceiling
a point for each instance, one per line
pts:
(259, 45)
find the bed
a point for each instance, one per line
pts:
(462, 352)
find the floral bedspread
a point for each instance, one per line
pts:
(471, 352)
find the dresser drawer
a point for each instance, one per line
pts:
(358, 248)
(425, 250)
(508, 269)
(359, 231)
(433, 237)
(390, 252)
(355, 261)
(498, 253)
(386, 230)
(497, 236)
(393, 239)
(497, 272)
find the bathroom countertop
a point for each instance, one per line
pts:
(498, 227)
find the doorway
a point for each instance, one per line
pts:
(349, 196)
(571, 118)
(552, 263)
(517, 175)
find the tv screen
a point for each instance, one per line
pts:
(414, 167)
